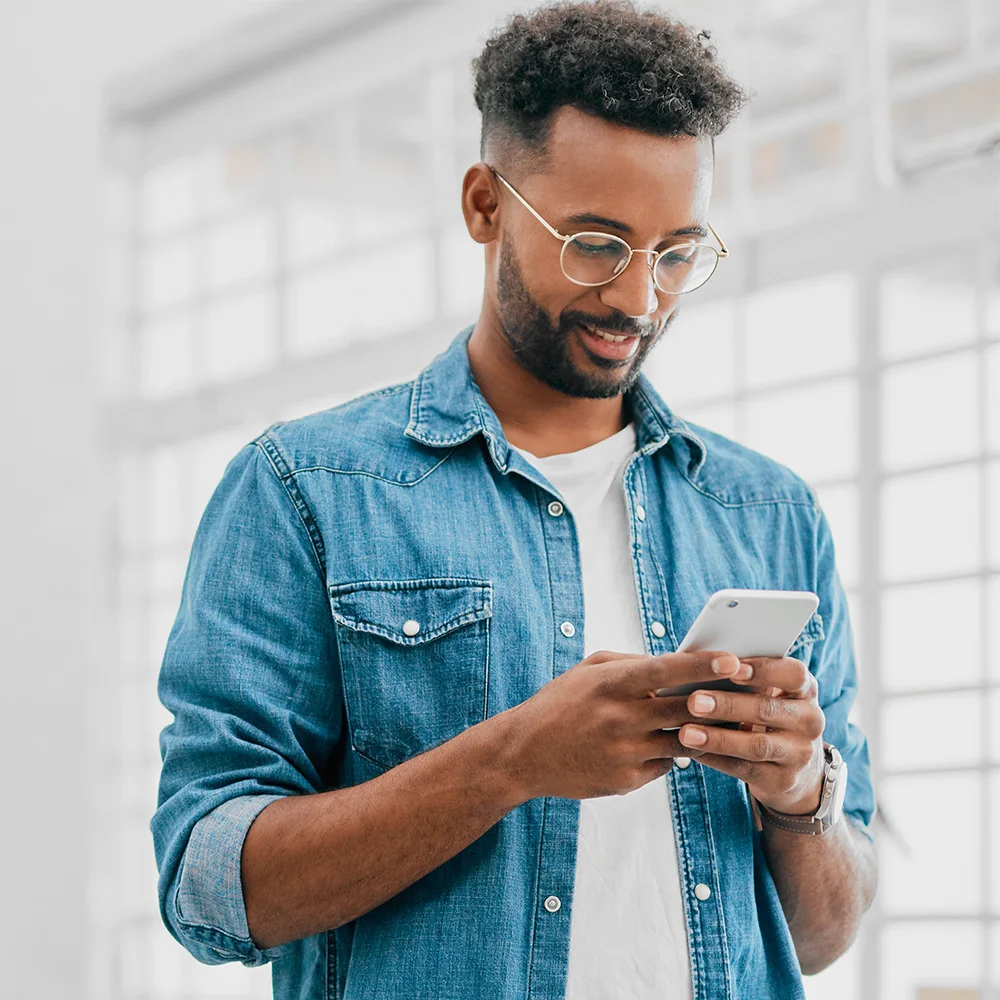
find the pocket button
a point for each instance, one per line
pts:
(411, 627)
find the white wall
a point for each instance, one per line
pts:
(55, 61)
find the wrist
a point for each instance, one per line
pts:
(504, 757)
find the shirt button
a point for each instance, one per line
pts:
(702, 891)
(555, 508)
(640, 512)
(411, 627)
(567, 629)
(552, 903)
(682, 761)
(658, 629)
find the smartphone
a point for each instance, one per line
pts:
(746, 623)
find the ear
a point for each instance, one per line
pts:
(481, 204)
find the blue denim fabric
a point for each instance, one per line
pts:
(288, 672)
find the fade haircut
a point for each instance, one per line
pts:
(630, 67)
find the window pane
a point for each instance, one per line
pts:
(928, 306)
(840, 504)
(993, 725)
(168, 197)
(239, 336)
(804, 328)
(375, 294)
(994, 785)
(163, 478)
(238, 251)
(994, 502)
(205, 461)
(922, 33)
(695, 358)
(930, 410)
(166, 358)
(920, 621)
(811, 430)
(993, 620)
(167, 274)
(912, 730)
(918, 958)
(920, 866)
(314, 229)
(993, 396)
(233, 177)
(930, 523)
(718, 417)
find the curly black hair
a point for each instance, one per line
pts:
(625, 65)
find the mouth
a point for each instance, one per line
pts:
(608, 344)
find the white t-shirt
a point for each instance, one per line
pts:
(628, 937)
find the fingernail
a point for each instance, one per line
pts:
(744, 673)
(693, 737)
(703, 703)
(719, 665)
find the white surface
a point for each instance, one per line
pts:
(628, 938)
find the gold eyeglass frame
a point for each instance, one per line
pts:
(723, 250)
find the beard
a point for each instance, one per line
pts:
(543, 348)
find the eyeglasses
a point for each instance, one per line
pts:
(597, 258)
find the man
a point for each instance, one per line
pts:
(416, 751)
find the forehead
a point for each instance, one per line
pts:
(622, 172)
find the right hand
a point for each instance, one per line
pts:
(596, 729)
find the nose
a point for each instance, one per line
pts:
(633, 292)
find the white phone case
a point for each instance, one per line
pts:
(747, 623)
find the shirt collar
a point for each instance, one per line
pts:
(447, 408)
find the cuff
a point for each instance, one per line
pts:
(208, 902)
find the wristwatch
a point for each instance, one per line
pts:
(831, 801)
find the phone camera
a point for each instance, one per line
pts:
(732, 604)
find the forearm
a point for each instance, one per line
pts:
(825, 884)
(313, 862)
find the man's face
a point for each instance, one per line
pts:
(597, 177)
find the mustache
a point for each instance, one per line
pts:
(622, 325)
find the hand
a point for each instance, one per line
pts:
(783, 766)
(597, 729)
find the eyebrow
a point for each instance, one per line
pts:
(589, 219)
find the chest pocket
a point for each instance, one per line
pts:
(414, 657)
(801, 649)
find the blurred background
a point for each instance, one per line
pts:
(200, 206)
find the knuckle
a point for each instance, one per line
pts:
(817, 723)
(761, 747)
(768, 709)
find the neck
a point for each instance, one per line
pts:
(534, 416)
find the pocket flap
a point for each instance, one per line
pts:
(812, 632)
(427, 608)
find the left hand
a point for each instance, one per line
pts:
(782, 766)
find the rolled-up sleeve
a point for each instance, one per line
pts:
(250, 675)
(833, 663)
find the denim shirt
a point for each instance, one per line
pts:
(289, 670)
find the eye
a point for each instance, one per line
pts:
(596, 246)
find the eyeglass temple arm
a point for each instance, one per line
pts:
(723, 249)
(510, 187)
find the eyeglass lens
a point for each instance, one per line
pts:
(595, 259)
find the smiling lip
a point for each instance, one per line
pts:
(613, 350)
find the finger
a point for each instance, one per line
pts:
(752, 772)
(755, 747)
(664, 713)
(790, 676)
(782, 714)
(666, 744)
(650, 674)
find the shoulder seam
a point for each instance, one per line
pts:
(277, 463)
